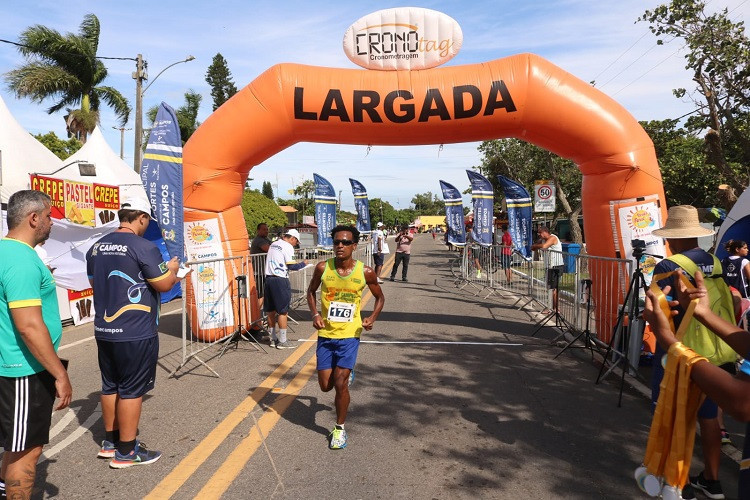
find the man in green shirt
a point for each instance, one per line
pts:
(31, 374)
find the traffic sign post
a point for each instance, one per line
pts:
(544, 196)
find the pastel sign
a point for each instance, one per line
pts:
(403, 38)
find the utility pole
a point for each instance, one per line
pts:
(339, 200)
(122, 140)
(139, 75)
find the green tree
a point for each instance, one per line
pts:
(381, 211)
(688, 179)
(267, 190)
(61, 148)
(428, 204)
(525, 163)
(65, 68)
(718, 55)
(187, 116)
(257, 208)
(219, 78)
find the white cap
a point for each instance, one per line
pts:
(292, 232)
(139, 204)
(379, 224)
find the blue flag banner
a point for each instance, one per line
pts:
(519, 205)
(161, 174)
(362, 206)
(482, 198)
(454, 214)
(325, 210)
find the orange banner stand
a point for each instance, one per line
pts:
(522, 96)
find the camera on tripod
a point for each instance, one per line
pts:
(639, 248)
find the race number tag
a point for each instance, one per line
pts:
(341, 312)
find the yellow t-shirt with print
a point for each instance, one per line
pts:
(340, 298)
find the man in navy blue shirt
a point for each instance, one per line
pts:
(127, 273)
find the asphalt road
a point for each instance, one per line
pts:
(453, 398)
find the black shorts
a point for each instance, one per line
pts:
(128, 368)
(277, 295)
(553, 276)
(26, 410)
(378, 259)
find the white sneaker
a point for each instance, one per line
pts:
(285, 345)
(380, 281)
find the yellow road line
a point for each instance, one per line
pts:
(233, 465)
(172, 482)
(175, 479)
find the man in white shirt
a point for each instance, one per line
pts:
(378, 242)
(277, 294)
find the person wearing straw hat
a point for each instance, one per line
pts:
(682, 231)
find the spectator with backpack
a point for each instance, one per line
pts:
(682, 231)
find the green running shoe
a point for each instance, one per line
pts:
(337, 438)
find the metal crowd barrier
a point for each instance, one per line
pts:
(587, 283)
(217, 288)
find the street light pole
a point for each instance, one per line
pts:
(122, 140)
(139, 75)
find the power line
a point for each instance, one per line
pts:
(619, 57)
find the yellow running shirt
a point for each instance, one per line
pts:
(340, 297)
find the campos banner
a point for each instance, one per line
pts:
(518, 201)
(454, 214)
(362, 206)
(325, 210)
(161, 174)
(405, 38)
(482, 197)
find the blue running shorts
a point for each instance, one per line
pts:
(128, 368)
(277, 294)
(337, 352)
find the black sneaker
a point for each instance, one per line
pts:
(712, 489)
(391, 279)
(688, 493)
(404, 280)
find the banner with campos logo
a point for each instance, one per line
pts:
(405, 38)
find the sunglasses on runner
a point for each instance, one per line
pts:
(346, 243)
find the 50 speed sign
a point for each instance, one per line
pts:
(544, 196)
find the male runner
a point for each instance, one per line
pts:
(339, 326)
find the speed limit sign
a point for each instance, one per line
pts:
(544, 196)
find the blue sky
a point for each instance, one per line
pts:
(589, 38)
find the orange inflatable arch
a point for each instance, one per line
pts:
(522, 96)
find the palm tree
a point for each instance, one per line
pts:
(65, 68)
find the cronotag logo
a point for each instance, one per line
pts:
(408, 38)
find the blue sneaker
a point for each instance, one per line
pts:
(351, 377)
(107, 450)
(139, 456)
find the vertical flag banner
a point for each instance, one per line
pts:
(518, 201)
(325, 210)
(482, 197)
(362, 206)
(454, 214)
(161, 174)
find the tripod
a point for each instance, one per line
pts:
(242, 333)
(560, 322)
(637, 283)
(588, 340)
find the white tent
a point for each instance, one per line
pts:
(110, 168)
(20, 155)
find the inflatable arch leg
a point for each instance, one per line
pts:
(522, 96)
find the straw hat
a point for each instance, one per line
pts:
(682, 222)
